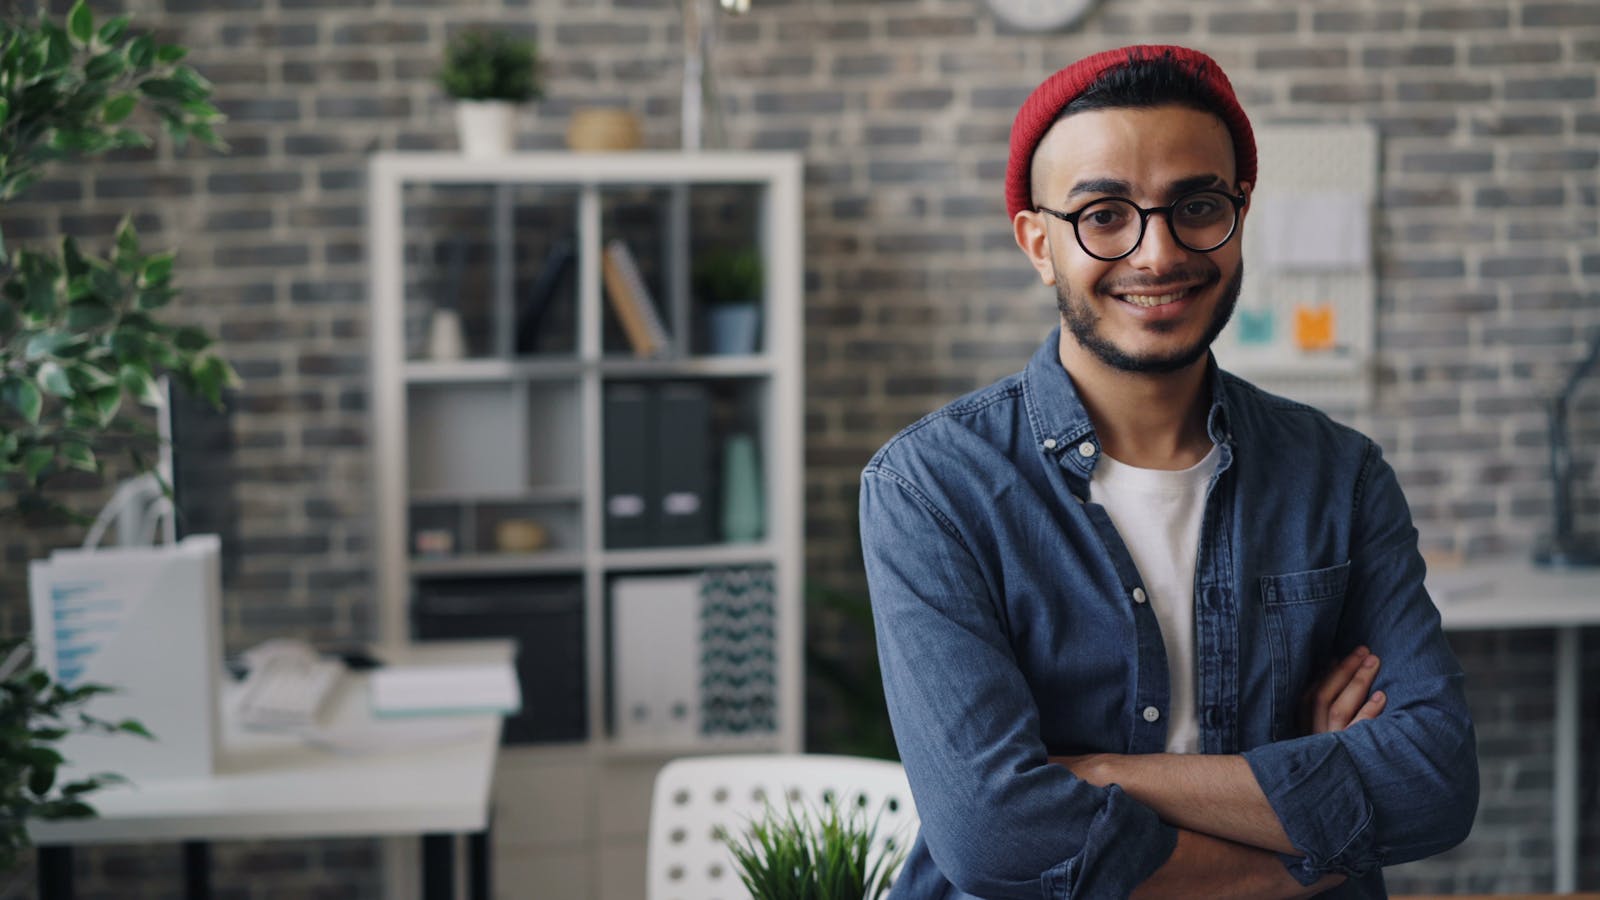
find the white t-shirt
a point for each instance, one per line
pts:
(1158, 514)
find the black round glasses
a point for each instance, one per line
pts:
(1112, 227)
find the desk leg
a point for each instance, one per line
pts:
(478, 863)
(54, 865)
(438, 866)
(196, 870)
(1568, 662)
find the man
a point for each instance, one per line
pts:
(1109, 590)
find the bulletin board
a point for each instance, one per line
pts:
(1304, 326)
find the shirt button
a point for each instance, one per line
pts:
(1049, 443)
(1151, 714)
(1139, 595)
(1086, 449)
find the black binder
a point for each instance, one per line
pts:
(631, 494)
(684, 464)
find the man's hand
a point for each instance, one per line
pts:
(1344, 696)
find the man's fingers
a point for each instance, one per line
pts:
(1371, 708)
(1328, 690)
(1354, 696)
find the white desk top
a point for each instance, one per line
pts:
(274, 786)
(1514, 593)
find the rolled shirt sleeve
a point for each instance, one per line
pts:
(1404, 785)
(999, 820)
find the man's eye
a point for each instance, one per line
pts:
(1103, 217)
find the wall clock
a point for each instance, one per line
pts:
(1040, 15)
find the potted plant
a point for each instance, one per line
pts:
(825, 855)
(35, 714)
(80, 335)
(489, 73)
(728, 281)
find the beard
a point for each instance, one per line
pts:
(1083, 322)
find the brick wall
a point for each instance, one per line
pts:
(1488, 253)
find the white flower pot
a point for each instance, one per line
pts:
(486, 127)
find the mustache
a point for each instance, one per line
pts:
(1194, 276)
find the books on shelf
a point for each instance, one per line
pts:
(631, 301)
(552, 275)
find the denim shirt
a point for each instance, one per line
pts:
(1009, 631)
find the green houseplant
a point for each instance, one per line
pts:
(489, 73)
(826, 854)
(729, 282)
(80, 336)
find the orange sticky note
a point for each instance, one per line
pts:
(1313, 327)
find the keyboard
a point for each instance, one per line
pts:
(287, 691)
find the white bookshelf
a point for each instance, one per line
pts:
(497, 430)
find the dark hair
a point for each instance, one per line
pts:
(1148, 82)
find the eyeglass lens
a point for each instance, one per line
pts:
(1201, 221)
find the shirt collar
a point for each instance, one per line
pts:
(1061, 424)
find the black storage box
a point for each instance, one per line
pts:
(545, 617)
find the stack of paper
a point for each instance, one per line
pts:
(424, 690)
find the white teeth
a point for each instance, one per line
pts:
(1150, 301)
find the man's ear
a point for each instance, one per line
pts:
(1029, 229)
(1249, 192)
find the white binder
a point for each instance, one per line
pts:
(144, 621)
(656, 657)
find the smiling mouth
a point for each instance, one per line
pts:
(1151, 301)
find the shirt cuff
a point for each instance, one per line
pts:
(1317, 793)
(1127, 842)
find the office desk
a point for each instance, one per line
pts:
(272, 786)
(1496, 596)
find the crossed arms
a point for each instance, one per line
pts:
(1228, 834)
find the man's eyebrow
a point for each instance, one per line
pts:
(1101, 186)
(1118, 188)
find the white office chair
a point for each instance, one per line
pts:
(695, 796)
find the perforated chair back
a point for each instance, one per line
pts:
(695, 796)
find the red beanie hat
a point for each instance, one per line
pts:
(1042, 107)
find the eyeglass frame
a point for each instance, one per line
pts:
(1239, 201)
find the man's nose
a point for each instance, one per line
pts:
(1158, 251)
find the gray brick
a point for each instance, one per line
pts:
(892, 135)
(1500, 197)
(252, 219)
(1303, 58)
(121, 187)
(1459, 18)
(1511, 53)
(818, 30)
(1409, 55)
(1554, 160)
(800, 102)
(1518, 266)
(781, 139)
(385, 108)
(254, 183)
(862, 65)
(1434, 91)
(1416, 125)
(918, 244)
(318, 144)
(1452, 161)
(1422, 268)
(1574, 87)
(1560, 15)
(1253, 22)
(932, 27)
(270, 35)
(934, 171)
(263, 109)
(342, 71)
(55, 190)
(1327, 92)
(921, 99)
(1420, 197)
(1008, 99)
(1516, 125)
(1349, 21)
(264, 254)
(609, 34)
(385, 33)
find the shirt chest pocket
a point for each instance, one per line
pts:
(1302, 616)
